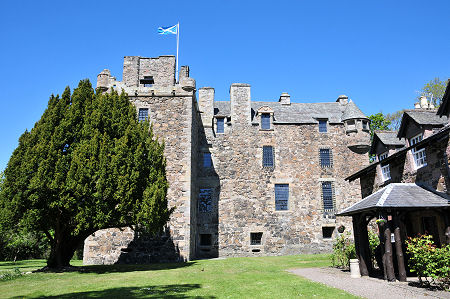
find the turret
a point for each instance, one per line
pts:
(356, 127)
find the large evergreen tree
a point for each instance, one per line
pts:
(87, 164)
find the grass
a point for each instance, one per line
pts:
(261, 277)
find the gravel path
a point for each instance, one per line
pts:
(367, 287)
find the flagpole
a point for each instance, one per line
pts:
(178, 42)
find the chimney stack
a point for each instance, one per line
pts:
(285, 99)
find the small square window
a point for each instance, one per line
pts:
(207, 162)
(220, 125)
(365, 125)
(265, 121)
(256, 238)
(323, 126)
(205, 240)
(143, 114)
(147, 81)
(382, 156)
(327, 232)
(281, 197)
(205, 200)
(268, 156)
(325, 157)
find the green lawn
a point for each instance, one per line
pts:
(261, 277)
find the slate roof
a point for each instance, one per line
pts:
(421, 117)
(426, 117)
(352, 111)
(399, 195)
(300, 113)
(389, 138)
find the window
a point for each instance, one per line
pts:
(386, 172)
(365, 125)
(143, 114)
(205, 239)
(268, 156)
(420, 158)
(207, 162)
(220, 125)
(204, 200)
(327, 232)
(265, 121)
(382, 156)
(147, 81)
(255, 238)
(323, 126)
(281, 197)
(351, 125)
(328, 197)
(325, 157)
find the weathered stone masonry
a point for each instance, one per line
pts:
(241, 190)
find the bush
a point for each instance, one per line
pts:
(10, 275)
(374, 242)
(343, 251)
(429, 261)
(20, 244)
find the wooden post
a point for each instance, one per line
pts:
(390, 274)
(381, 227)
(399, 250)
(447, 226)
(355, 220)
(365, 262)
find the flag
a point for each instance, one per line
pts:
(168, 30)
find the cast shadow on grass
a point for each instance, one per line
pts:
(173, 291)
(119, 268)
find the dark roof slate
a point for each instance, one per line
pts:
(389, 138)
(426, 117)
(306, 113)
(399, 195)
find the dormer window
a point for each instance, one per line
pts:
(420, 158)
(147, 81)
(323, 126)
(265, 121)
(382, 156)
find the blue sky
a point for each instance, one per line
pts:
(379, 53)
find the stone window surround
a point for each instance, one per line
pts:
(326, 125)
(265, 110)
(333, 188)
(350, 125)
(330, 152)
(225, 123)
(289, 201)
(142, 105)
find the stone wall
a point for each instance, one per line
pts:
(243, 191)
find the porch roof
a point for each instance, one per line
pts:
(399, 196)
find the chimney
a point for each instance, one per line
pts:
(423, 102)
(285, 99)
(240, 104)
(184, 72)
(342, 99)
(206, 105)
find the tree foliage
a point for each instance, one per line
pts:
(395, 119)
(434, 91)
(378, 122)
(87, 164)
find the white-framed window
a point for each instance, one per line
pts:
(382, 156)
(420, 158)
(386, 172)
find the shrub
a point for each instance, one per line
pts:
(429, 261)
(11, 274)
(374, 242)
(343, 251)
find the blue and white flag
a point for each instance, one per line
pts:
(168, 30)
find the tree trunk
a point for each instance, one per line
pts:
(388, 255)
(63, 249)
(399, 250)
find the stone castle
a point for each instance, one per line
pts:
(246, 177)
